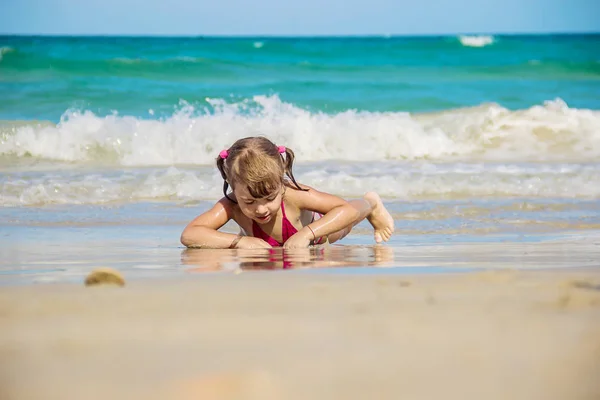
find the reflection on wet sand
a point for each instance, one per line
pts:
(575, 251)
(203, 260)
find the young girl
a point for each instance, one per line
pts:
(274, 211)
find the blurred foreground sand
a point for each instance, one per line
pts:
(279, 335)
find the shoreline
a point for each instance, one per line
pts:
(66, 254)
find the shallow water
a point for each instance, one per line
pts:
(64, 243)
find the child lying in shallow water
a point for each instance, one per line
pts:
(272, 209)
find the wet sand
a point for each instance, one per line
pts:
(501, 334)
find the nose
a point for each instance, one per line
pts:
(261, 210)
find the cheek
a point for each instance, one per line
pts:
(247, 209)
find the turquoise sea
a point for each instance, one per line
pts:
(43, 77)
(463, 136)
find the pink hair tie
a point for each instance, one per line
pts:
(281, 149)
(223, 154)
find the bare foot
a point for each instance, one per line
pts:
(380, 218)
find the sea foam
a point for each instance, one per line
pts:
(550, 132)
(476, 41)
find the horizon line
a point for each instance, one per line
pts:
(294, 36)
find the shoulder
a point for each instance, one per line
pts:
(227, 203)
(293, 194)
(231, 206)
(224, 210)
(312, 199)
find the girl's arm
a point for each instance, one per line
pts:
(203, 231)
(337, 212)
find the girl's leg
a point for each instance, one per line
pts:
(372, 208)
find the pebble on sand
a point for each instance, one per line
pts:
(104, 276)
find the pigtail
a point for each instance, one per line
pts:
(288, 164)
(221, 167)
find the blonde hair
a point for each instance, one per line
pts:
(257, 163)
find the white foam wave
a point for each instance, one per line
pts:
(396, 180)
(125, 60)
(476, 41)
(550, 132)
(97, 187)
(5, 50)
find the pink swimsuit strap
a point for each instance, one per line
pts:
(287, 230)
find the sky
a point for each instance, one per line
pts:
(293, 18)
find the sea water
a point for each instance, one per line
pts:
(467, 138)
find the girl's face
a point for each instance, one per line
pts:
(260, 210)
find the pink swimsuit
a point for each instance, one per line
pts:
(287, 230)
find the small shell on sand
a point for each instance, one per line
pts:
(104, 276)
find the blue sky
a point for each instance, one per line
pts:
(305, 17)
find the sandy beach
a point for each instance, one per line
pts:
(494, 334)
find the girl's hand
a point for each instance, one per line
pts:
(249, 242)
(297, 241)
